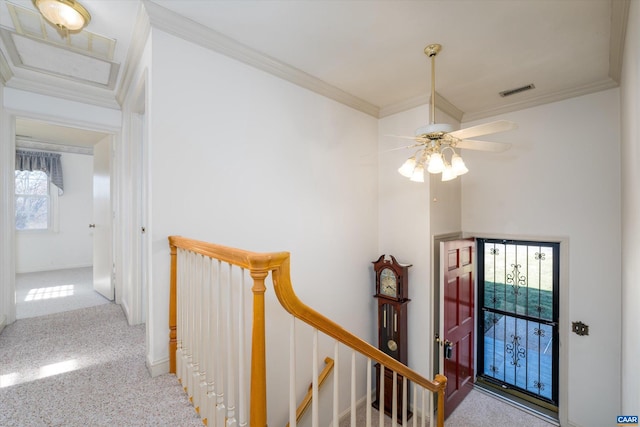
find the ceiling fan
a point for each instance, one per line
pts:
(433, 139)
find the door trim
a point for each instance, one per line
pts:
(437, 303)
(7, 217)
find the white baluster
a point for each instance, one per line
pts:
(314, 386)
(415, 405)
(353, 388)
(221, 367)
(195, 380)
(292, 373)
(212, 357)
(404, 401)
(336, 385)
(206, 343)
(189, 328)
(368, 391)
(231, 361)
(381, 397)
(185, 321)
(242, 393)
(394, 400)
(424, 412)
(179, 285)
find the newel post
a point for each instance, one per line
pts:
(442, 380)
(173, 297)
(258, 412)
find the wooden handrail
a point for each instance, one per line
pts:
(328, 367)
(259, 265)
(291, 303)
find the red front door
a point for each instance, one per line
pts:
(458, 320)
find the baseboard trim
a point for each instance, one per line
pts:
(158, 368)
(3, 323)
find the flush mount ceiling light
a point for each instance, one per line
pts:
(436, 141)
(68, 15)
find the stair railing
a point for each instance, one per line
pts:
(208, 346)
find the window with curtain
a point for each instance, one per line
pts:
(38, 182)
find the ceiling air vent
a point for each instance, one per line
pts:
(509, 92)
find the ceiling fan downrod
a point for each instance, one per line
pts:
(431, 51)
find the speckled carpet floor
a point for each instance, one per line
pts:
(48, 292)
(84, 368)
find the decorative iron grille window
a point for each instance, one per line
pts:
(518, 295)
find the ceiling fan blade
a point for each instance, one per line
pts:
(484, 129)
(472, 144)
(415, 138)
(401, 148)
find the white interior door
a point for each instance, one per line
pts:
(102, 236)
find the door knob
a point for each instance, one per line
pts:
(92, 226)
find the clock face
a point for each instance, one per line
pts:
(388, 283)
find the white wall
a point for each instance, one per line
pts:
(630, 95)
(72, 245)
(244, 159)
(561, 178)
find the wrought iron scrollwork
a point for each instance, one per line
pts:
(516, 350)
(516, 279)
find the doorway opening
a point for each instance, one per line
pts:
(54, 260)
(518, 311)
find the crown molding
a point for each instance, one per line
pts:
(447, 107)
(405, 105)
(138, 41)
(70, 92)
(199, 34)
(541, 100)
(619, 21)
(442, 104)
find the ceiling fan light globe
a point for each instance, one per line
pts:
(458, 165)
(407, 167)
(448, 173)
(418, 174)
(436, 163)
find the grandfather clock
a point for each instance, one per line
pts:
(392, 294)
